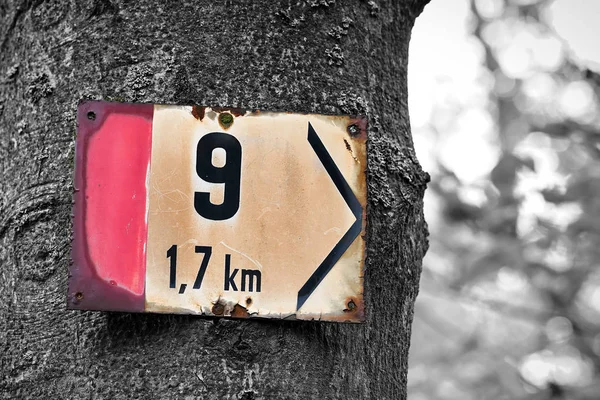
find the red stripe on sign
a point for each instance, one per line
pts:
(110, 213)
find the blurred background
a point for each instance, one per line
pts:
(504, 101)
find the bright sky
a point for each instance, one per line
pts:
(438, 49)
(577, 22)
(445, 76)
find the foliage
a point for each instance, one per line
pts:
(509, 306)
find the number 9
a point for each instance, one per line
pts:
(229, 174)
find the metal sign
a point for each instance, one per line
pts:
(219, 212)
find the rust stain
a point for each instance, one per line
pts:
(237, 112)
(198, 112)
(355, 307)
(353, 311)
(348, 147)
(361, 154)
(249, 301)
(239, 311)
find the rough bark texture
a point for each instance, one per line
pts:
(321, 56)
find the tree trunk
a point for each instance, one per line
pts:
(314, 56)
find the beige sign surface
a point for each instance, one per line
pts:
(256, 214)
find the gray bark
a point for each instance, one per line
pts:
(318, 56)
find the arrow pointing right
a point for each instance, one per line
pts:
(338, 250)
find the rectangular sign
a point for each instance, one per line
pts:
(219, 212)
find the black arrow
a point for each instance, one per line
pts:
(345, 242)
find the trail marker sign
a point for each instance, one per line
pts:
(219, 212)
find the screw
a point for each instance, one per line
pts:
(218, 309)
(351, 305)
(78, 296)
(225, 119)
(91, 115)
(353, 130)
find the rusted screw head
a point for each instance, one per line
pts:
(353, 130)
(225, 119)
(351, 305)
(218, 309)
(91, 115)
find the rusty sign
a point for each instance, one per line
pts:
(218, 212)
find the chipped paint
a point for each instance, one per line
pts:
(198, 112)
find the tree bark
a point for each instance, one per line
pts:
(314, 56)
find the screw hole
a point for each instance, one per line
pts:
(91, 115)
(78, 295)
(249, 301)
(218, 309)
(353, 130)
